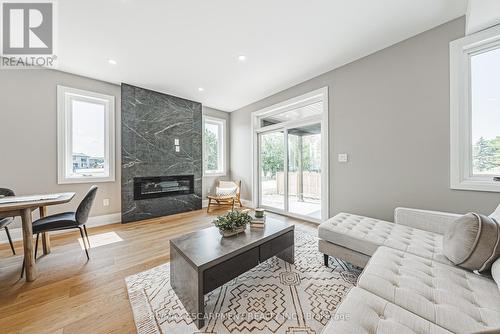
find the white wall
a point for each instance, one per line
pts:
(390, 112)
(28, 141)
(28, 128)
(482, 14)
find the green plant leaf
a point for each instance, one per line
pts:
(232, 220)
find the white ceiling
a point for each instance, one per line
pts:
(177, 46)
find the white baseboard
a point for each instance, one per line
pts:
(16, 233)
(112, 218)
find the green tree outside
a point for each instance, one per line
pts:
(495, 143)
(486, 154)
(272, 154)
(211, 147)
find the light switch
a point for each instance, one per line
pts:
(342, 157)
(176, 141)
(177, 148)
(105, 202)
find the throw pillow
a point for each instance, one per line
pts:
(472, 242)
(227, 184)
(495, 272)
(496, 214)
(225, 192)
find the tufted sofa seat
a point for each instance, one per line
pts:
(365, 235)
(455, 299)
(363, 312)
(407, 285)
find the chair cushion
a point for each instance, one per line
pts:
(225, 192)
(228, 184)
(58, 221)
(365, 235)
(362, 312)
(451, 297)
(472, 242)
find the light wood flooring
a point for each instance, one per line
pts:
(72, 295)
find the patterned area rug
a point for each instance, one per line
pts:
(274, 297)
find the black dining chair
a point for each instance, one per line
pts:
(5, 222)
(66, 221)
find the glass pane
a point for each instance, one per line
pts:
(88, 122)
(291, 115)
(212, 154)
(304, 171)
(272, 179)
(485, 99)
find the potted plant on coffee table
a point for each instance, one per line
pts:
(232, 223)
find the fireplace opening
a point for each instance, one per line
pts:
(163, 186)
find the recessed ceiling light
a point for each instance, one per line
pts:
(201, 89)
(242, 57)
(112, 61)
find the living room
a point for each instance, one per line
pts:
(250, 167)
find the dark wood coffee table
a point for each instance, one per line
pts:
(203, 260)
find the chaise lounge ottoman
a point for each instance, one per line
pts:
(356, 238)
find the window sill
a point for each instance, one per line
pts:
(214, 174)
(477, 185)
(86, 180)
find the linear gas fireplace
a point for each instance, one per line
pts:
(161, 136)
(163, 186)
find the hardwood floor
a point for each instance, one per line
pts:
(72, 295)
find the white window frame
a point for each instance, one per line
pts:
(461, 110)
(65, 96)
(222, 146)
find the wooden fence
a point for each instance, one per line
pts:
(311, 183)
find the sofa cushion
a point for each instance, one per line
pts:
(365, 235)
(448, 296)
(472, 242)
(362, 312)
(460, 238)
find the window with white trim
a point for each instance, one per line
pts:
(475, 111)
(214, 133)
(86, 136)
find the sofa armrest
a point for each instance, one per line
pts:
(432, 221)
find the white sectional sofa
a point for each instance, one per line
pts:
(407, 285)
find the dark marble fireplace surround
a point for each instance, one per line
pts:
(151, 122)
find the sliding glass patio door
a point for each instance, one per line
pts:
(304, 171)
(272, 168)
(290, 170)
